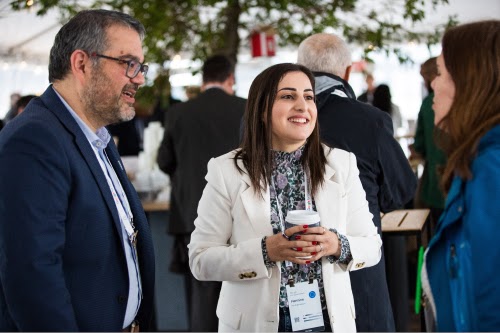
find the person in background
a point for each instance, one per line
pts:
(195, 131)
(382, 99)
(14, 97)
(22, 102)
(192, 92)
(385, 173)
(239, 235)
(150, 105)
(367, 95)
(126, 136)
(76, 249)
(163, 98)
(429, 194)
(460, 272)
(19, 107)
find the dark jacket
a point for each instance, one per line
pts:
(196, 131)
(386, 176)
(128, 137)
(62, 258)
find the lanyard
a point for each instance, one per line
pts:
(118, 193)
(307, 199)
(308, 203)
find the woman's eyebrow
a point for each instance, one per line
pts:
(293, 89)
(286, 88)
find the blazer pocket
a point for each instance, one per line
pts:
(228, 315)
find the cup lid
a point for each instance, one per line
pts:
(302, 217)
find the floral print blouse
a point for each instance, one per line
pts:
(288, 180)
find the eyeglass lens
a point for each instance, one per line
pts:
(135, 67)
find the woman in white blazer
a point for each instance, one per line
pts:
(240, 237)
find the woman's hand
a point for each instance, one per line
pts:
(310, 244)
(325, 242)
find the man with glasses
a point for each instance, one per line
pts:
(76, 252)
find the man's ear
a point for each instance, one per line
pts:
(80, 63)
(347, 73)
(229, 83)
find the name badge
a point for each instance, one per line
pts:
(305, 307)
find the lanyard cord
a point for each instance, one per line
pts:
(306, 199)
(121, 196)
(288, 264)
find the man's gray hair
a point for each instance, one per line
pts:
(86, 31)
(325, 53)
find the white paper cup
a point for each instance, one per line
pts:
(301, 217)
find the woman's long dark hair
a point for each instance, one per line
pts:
(256, 147)
(382, 98)
(471, 54)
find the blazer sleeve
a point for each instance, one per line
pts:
(211, 256)
(35, 180)
(397, 181)
(364, 240)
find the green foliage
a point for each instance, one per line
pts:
(205, 27)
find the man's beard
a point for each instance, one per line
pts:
(103, 105)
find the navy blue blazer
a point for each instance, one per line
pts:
(62, 259)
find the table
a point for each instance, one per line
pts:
(407, 222)
(155, 206)
(404, 136)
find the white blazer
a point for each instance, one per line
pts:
(226, 243)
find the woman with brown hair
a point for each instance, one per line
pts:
(271, 281)
(460, 274)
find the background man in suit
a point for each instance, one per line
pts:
(14, 97)
(195, 131)
(385, 173)
(76, 249)
(367, 95)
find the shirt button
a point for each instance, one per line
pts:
(459, 209)
(122, 299)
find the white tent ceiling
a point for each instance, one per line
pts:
(26, 39)
(25, 36)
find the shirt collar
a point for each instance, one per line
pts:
(293, 157)
(327, 83)
(99, 139)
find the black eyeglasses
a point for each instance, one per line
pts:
(133, 66)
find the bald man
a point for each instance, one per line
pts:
(385, 173)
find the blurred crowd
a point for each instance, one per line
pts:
(239, 168)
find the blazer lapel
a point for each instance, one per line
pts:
(133, 199)
(257, 209)
(327, 198)
(144, 241)
(54, 104)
